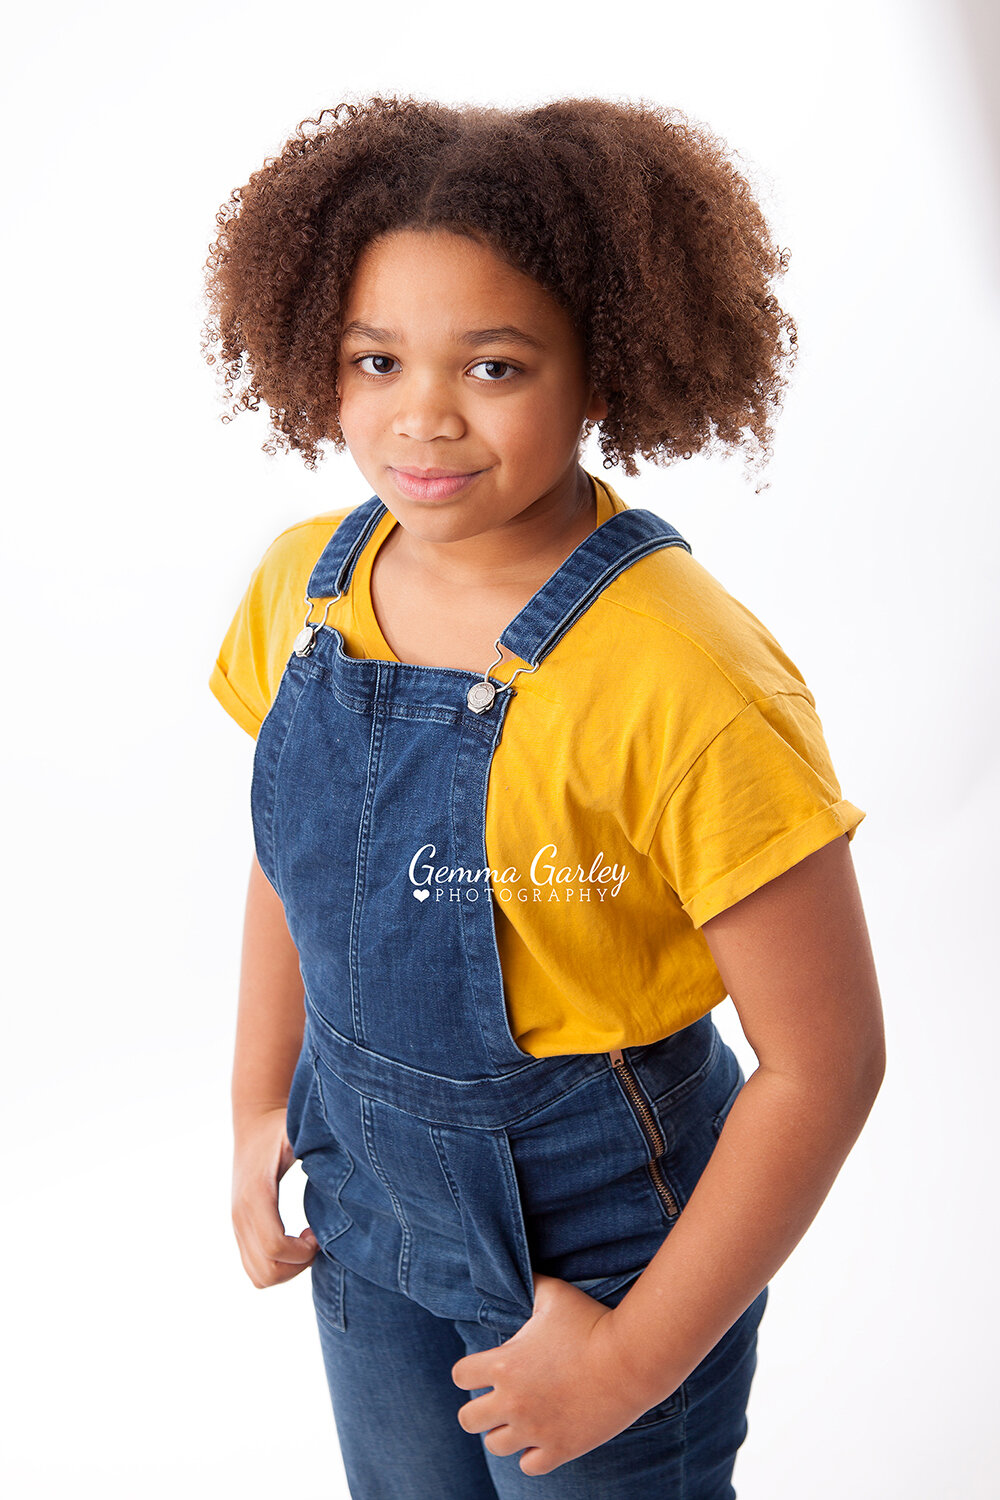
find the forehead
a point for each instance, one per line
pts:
(426, 277)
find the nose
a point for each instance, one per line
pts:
(426, 410)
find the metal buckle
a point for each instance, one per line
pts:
(481, 695)
(306, 638)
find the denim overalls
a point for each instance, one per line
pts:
(442, 1161)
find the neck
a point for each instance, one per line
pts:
(524, 550)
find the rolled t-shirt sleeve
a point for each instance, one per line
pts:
(758, 798)
(243, 672)
(256, 647)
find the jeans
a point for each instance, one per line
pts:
(388, 1364)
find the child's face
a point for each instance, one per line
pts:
(420, 394)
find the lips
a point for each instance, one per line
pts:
(431, 484)
(435, 473)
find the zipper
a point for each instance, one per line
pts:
(649, 1124)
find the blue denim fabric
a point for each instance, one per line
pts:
(388, 1365)
(445, 1165)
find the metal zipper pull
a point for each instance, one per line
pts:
(649, 1126)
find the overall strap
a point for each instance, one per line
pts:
(620, 541)
(332, 574)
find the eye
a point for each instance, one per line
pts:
(373, 374)
(496, 364)
(493, 365)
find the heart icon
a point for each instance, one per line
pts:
(421, 895)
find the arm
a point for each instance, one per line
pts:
(269, 1027)
(271, 1016)
(796, 959)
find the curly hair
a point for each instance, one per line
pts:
(631, 216)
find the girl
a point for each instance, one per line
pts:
(531, 794)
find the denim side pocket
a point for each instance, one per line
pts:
(479, 1168)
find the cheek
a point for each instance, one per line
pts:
(536, 409)
(543, 416)
(359, 419)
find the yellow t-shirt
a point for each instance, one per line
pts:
(665, 760)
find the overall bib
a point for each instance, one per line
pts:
(442, 1161)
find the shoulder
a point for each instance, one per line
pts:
(253, 652)
(277, 588)
(291, 556)
(680, 618)
(742, 781)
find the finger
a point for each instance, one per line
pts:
(482, 1414)
(503, 1442)
(265, 1270)
(472, 1370)
(291, 1249)
(280, 1272)
(535, 1463)
(285, 1254)
(252, 1230)
(267, 1229)
(274, 1255)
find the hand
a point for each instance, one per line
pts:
(560, 1384)
(262, 1156)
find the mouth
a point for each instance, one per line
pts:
(432, 484)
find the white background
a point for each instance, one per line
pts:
(142, 1360)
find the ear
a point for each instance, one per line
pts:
(597, 407)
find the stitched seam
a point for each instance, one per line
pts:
(347, 1157)
(476, 1084)
(442, 1156)
(613, 571)
(360, 866)
(507, 1165)
(397, 1207)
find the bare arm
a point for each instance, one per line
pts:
(269, 1027)
(796, 959)
(271, 1016)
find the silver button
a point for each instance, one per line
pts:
(480, 696)
(304, 641)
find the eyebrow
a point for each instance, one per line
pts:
(475, 336)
